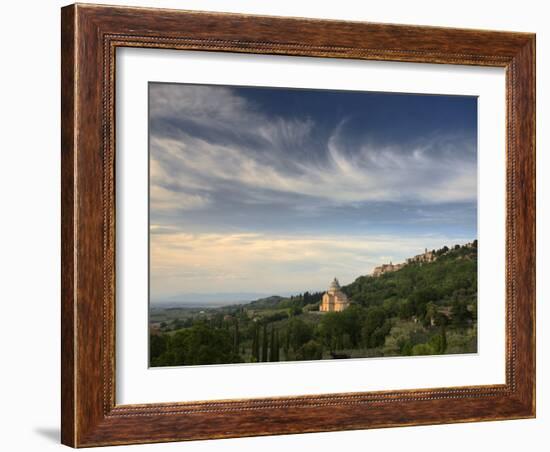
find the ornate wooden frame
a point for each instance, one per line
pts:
(90, 35)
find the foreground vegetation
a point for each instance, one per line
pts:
(421, 309)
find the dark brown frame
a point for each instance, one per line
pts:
(90, 35)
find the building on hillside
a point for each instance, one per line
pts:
(386, 268)
(334, 300)
(426, 256)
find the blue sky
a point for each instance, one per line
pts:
(269, 190)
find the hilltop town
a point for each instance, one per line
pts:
(425, 257)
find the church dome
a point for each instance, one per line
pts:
(334, 285)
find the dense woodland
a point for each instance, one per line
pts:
(421, 309)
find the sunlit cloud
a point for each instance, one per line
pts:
(184, 263)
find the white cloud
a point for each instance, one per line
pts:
(168, 200)
(369, 173)
(217, 105)
(386, 174)
(184, 263)
(220, 109)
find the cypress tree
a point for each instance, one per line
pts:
(443, 340)
(264, 344)
(272, 345)
(287, 342)
(253, 345)
(276, 346)
(257, 351)
(236, 338)
(256, 344)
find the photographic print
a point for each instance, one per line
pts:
(300, 224)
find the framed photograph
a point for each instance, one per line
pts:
(281, 225)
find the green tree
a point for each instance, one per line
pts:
(331, 330)
(299, 332)
(352, 319)
(264, 344)
(157, 345)
(431, 314)
(378, 336)
(443, 343)
(294, 311)
(272, 345)
(460, 313)
(422, 349)
(256, 343)
(374, 319)
(406, 309)
(236, 338)
(202, 344)
(311, 350)
(276, 346)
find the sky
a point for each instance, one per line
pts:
(259, 191)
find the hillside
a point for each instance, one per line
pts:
(421, 308)
(451, 277)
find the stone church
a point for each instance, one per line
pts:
(334, 300)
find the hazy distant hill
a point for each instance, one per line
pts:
(267, 302)
(207, 300)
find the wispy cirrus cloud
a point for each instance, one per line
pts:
(371, 174)
(273, 154)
